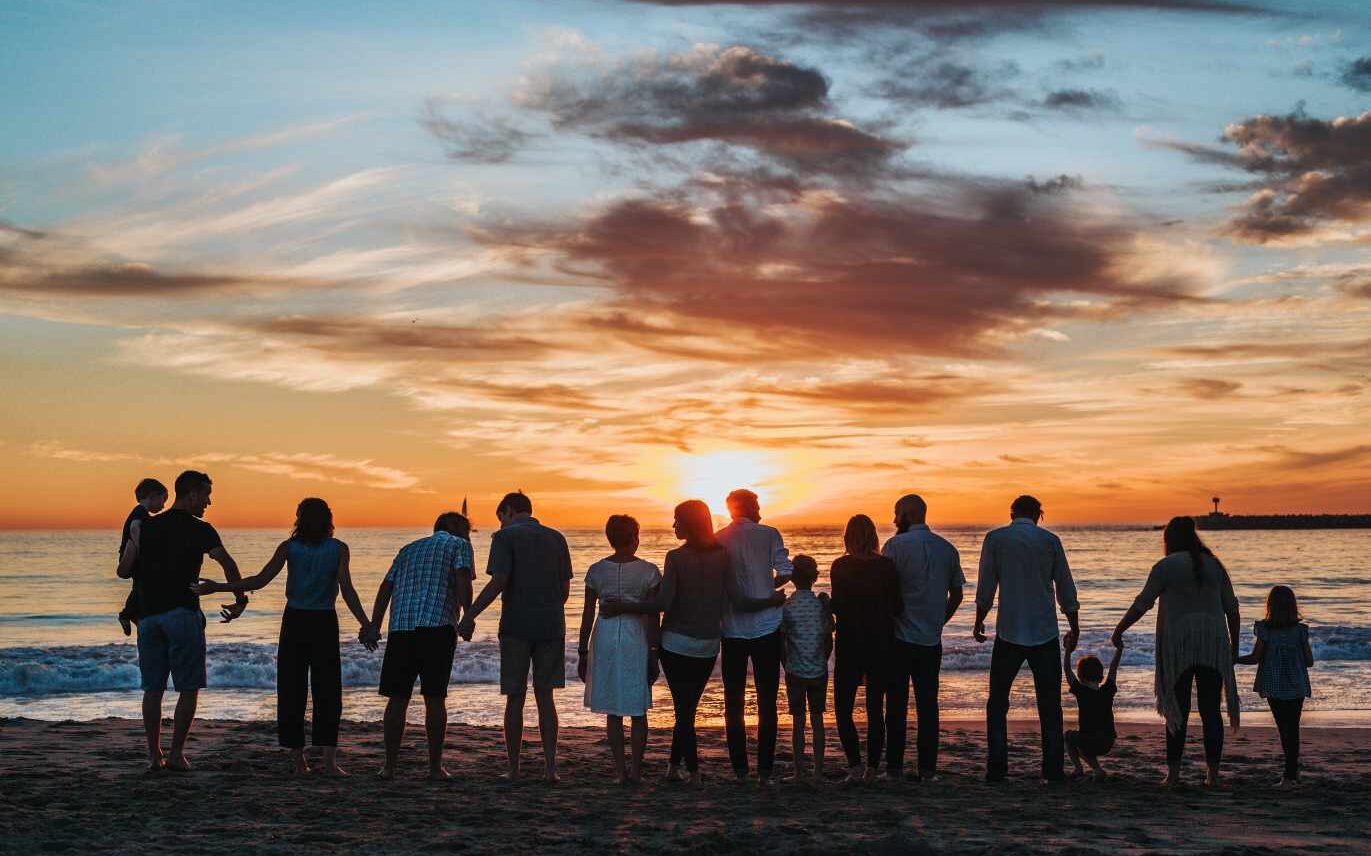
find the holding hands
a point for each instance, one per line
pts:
(227, 611)
(370, 636)
(466, 627)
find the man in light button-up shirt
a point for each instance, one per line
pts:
(1025, 563)
(931, 580)
(752, 625)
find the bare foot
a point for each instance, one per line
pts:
(386, 774)
(1171, 780)
(333, 770)
(674, 773)
(855, 776)
(439, 775)
(511, 775)
(179, 764)
(155, 765)
(299, 765)
(550, 777)
(870, 775)
(1211, 777)
(697, 779)
(765, 782)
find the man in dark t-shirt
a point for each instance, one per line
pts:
(530, 570)
(163, 557)
(152, 497)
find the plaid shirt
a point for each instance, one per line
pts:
(419, 577)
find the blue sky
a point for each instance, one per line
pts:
(245, 198)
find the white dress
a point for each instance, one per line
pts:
(616, 680)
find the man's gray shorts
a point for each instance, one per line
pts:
(172, 643)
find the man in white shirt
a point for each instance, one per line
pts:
(752, 623)
(931, 579)
(1025, 563)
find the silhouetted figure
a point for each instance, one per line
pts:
(530, 571)
(167, 552)
(929, 570)
(426, 589)
(866, 599)
(308, 659)
(1093, 737)
(696, 580)
(1197, 639)
(807, 630)
(618, 663)
(752, 625)
(1283, 656)
(1025, 564)
(151, 496)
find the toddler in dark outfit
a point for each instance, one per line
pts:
(152, 498)
(1094, 734)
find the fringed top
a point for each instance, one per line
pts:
(1192, 628)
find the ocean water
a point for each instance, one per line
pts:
(63, 656)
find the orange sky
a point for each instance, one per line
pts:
(619, 261)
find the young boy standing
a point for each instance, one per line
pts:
(1094, 737)
(152, 498)
(807, 627)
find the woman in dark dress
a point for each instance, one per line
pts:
(866, 599)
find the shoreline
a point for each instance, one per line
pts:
(78, 787)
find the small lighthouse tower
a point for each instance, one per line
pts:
(1215, 500)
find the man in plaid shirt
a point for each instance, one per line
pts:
(427, 585)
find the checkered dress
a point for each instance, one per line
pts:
(419, 576)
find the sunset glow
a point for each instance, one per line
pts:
(618, 254)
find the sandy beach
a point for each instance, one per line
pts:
(78, 787)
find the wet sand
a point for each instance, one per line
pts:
(78, 787)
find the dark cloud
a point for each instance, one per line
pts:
(475, 138)
(949, 20)
(1089, 62)
(1357, 74)
(1080, 100)
(375, 337)
(37, 262)
(946, 84)
(910, 391)
(734, 95)
(1310, 174)
(955, 273)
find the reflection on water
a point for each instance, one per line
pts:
(62, 654)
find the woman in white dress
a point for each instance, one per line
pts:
(618, 661)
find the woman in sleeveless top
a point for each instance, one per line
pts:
(307, 655)
(1197, 641)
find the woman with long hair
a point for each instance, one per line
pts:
(1197, 641)
(866, 599)
(307, 656)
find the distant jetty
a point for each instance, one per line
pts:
(1283, 521)
(1217, 520)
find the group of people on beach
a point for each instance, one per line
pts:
(718, 596)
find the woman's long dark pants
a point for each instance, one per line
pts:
(848, 674)
(686, 677)
(1210, 686)
(307, 658)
